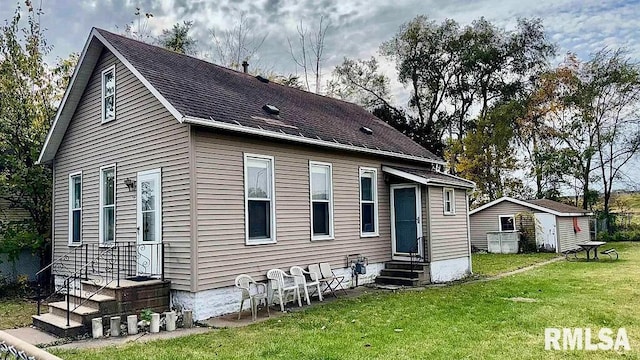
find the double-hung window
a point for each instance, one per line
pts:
(449, 202)
(107, 205)
(109, 94)
(75, 209)
(259, 193)
(321, 193)
(368, 202)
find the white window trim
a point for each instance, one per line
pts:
(374, 201)
(453, 201)
(331, 229)
(273, 238)
(71, 209)
(102, 85)
(101, 241)
(500, 222)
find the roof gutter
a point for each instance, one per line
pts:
(304, 140)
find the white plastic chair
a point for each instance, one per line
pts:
(301, 280)
(277, 278)
(244, 282)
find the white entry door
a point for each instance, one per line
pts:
(406, 227)
(546, 232)
(149, 239)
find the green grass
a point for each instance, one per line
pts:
(16, 312)
(494, 264)
(471, 321)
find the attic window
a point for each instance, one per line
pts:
(366, 130)
(271, 109)
(109, 94)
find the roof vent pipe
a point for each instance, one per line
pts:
(245, 66)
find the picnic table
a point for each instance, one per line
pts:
(591, 245)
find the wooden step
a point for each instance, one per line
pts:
(403, 273)
(395, 280)
(406, 265)
(58, 325)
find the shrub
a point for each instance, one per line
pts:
(623, 235)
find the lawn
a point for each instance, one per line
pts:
(477, 320)
(16, 312)
(493, 264)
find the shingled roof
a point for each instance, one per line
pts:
(544, 205)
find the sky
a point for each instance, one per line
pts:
(357, 27)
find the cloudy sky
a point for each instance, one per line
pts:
(357, 27)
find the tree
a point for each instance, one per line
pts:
(309, 56)
(234, 46)
(30, 92)
(612, 99)
(489, 158)
(138, 29)
(178, 39)
(360, 82)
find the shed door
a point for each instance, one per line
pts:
(546, 232)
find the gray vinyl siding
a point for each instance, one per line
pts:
(425, 220)
(487, 220)
(144, 136)
(567, 237)
(449, 237)
(222, 253)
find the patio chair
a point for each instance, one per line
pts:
(278, 285)
(611, 252)
(255, 296)
(334, 282)
(300, 277)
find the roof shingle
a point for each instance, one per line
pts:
(203, 90)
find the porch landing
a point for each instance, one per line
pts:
(404, 273)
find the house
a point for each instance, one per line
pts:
(26, 264)
(558, 227)
(202, 173)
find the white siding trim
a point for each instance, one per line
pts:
(466, 202)
(374, 186)
(70, 197)
(115, 196)
(331, 228)
(272, 239)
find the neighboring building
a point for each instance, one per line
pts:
(26, 264)
(558, 227)
(234, 174)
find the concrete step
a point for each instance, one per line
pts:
(94, 301)
(81, 314)
(403, 273)
(395, 280)
(58, 325)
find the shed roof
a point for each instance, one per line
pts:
(543, 205)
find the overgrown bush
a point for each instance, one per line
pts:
(622, 235)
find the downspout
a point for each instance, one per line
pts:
(466, 200)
